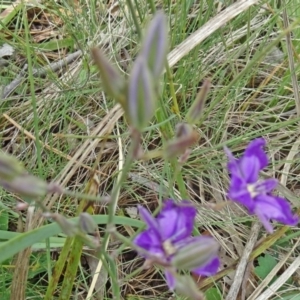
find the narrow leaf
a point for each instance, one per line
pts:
(27, 239)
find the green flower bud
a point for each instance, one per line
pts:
(185, 138)
(10, 167)
(27, 186)
(196, 109)
(66, 226)
(112, 80)
(155, 44)
(186, 286)
(141, 102)
(86, 223)
(195, 254)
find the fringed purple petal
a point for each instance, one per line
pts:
(238, 192)
(250, 167)
(176, 220)
(255, 148)
(149, 241)
(288, 217)
(233, 165)
(209, 269)
(265, 221)
(270, 207)
(276, 208)
(266, 186)
(171, 280)
(150, 221)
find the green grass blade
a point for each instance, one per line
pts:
(58, 269)
(27, 239)
(71, 270)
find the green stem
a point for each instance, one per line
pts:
(83, 196)
(48, 255)
(58, 269)
(113, 206)
(175, 107)
(115, 192)
(138, 8)
(71, 270)
(135, 21)
(152, 6)
(32, 92)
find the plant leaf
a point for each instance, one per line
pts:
(27, 239)
(266, 264)
(213, 294)
(3, 220)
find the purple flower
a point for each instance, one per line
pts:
(167, 241)
(254, 193)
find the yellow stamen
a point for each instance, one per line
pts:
(169, 248)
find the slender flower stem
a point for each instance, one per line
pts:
(115, 191)
(175, 107)
(137, 6)
(133, 274)
(85, 196)
(126, 242)
(124, 172)
(152, 6)
(33, 96)
(113, 205)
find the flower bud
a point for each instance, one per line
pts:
(27, 186)
(183, 130)
(196, 109)
(155, 44)
(197, 253)
(54, 187)
(141, 102)
(184, 157)
(187, 287)
(112, 80)
(86, 223)
(185, 137)
(10, 167)
(66, 226)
